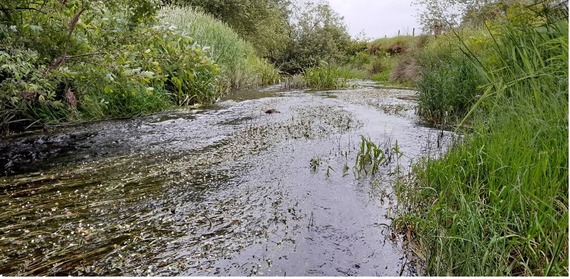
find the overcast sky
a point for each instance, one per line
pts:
(377, 18)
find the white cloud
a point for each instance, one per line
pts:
(378, 18)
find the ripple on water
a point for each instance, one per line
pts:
(222, 191)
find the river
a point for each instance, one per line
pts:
(225, 190)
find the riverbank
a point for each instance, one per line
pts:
(497, 203)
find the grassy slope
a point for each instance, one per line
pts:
(241, 67)
(389, 61)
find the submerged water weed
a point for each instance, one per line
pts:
(329, 170)
(345, 169)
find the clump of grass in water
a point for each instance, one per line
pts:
(315, 163)
(325, 77)
(498, 203)
(294, 82)
(371, 156)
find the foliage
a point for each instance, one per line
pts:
(479, 15)
(264, 71)
(371, 156)
(443, 13)
(138, 77)
(406, 71)
(239, 64)
(448, 83)
(263, 23)
(73, 60)
(448, 14)
(497, 203)
(325, 77)
(390, 61)
(355, 47)
(318, 34)
(294, 37)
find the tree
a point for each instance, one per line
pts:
(48, 26)
(318, 34)
(445, 14)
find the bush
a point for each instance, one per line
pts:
(169, 68)
(262, 23)
(22, 84)
(318, 34)
(240, 66)
(390, 61)
(406, 71)
(108, 62)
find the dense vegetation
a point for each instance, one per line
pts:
(240, 66)
(263, 23)
(79, 60)
(497, 202)
(75, 60)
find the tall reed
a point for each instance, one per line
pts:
(448, 84)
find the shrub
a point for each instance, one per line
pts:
(108, 62)
(240, 66)
(377, 66)
(169, 68)
(397, 47)
(23, 85)
(318, 34)
(406, 71)
(384, 66)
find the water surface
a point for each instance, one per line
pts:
(229, 190)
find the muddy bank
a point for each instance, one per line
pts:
(229, 190)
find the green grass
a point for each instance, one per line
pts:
(371, 156)
(241, 67)
(393, 45)
(380, 68)
(497, 202)
(326, 77)
(386, 60)
(448, 85)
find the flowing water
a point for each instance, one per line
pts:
(228, 190)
